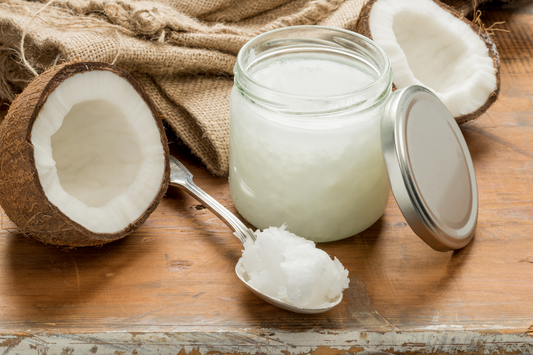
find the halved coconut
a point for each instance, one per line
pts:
(431, 44)
(83, 156)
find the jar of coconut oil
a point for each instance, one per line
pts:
(305, 146)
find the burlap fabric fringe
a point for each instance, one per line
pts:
(182, 52)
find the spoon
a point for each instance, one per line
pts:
(182, 178)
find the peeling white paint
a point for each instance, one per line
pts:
(482, 326)
(268, 341)
(444, 326)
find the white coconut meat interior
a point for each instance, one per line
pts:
(429, 46)
(98, 151)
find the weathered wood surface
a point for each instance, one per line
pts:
(170, 288)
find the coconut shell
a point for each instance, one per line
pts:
(21, 194)
(465, 7)
(363, 27)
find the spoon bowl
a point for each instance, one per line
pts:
(181, 177)
(241, 274)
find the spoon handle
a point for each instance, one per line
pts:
(181, 177)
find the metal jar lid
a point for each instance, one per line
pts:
(430, 169)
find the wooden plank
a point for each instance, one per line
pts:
(170, 287)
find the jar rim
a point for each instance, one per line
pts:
(241, 69)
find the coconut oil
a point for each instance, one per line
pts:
(292, 270)
(305, 146)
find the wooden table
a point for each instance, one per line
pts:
(170, 287)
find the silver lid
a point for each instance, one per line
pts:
(430, 168)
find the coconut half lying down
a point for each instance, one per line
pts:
(432, 45)
(84, 156)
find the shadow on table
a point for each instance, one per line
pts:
(413, 289)
(209, 228)
(48, 282)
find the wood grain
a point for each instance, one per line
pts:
(170, 287)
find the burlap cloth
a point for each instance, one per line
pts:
(182, 52)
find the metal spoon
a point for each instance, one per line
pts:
(182, 178)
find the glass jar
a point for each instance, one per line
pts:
(305, 146)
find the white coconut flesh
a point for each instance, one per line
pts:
(98, 151)
(428, 46)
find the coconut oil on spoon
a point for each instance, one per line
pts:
(296, 265)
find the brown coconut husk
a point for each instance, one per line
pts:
(466, 7)
(363, 27)
(21, 194)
